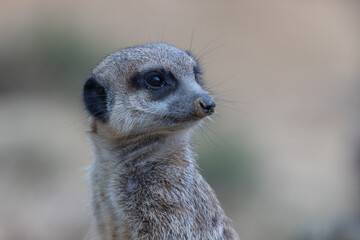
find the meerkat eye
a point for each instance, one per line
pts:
(155, 81)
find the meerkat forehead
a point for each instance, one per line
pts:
(129, 61)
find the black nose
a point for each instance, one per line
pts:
(204, 106)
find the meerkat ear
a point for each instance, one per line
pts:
(95, 98)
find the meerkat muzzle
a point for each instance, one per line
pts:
(204, 106)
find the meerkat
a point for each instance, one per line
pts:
(144, 103)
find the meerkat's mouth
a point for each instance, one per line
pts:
(180, 123)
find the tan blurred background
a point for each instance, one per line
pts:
(283, 153)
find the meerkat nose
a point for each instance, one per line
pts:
(204, 106)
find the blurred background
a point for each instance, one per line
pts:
(283, 152)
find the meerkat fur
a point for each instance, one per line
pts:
(144, 103)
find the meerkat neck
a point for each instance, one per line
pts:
(170, 147)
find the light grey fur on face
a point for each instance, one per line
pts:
(144, 179)
(116, 71)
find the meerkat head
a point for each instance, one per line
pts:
(149, 88)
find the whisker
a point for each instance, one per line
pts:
(227, 79)
(203, 136)
(210, 52)
(81, 119)
(163, 34)
(205, 47)
(216, 114)
(191, 40)
(214, 143)
(206, 50)
(222, 139)
(210, 119)
(230, 101)
(149, 36)
(77, 121)
(234, 109)
(222, 93)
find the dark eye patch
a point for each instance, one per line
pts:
(197, 69)
(198, 74)
(145, 81)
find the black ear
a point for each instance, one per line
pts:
(95, 99)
